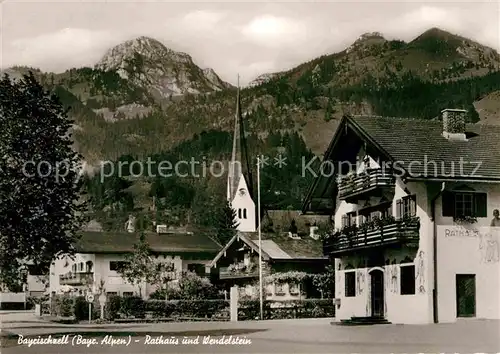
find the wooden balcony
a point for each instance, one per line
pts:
(232, 273)
(370, 183)
(396, 233)
(76, 279)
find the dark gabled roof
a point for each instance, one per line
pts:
(278, 246)
(404, 140)
(305, 248)
(408, 140)
(123, 242)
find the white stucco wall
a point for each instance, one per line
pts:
(242, 202)
(459, 253)
(418, 307)
(468, 250)
(113, 282)
(455, 255)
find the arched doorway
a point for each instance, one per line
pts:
(377, 292)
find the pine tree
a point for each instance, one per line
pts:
(227, 224)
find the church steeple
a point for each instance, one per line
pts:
(240, 183)
(240, 163)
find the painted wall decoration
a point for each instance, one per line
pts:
(489, 248)
(420, 276)
(360, 279)
(393, 277)
(488, 240)
(338, 287)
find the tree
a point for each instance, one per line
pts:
(40, 192)
(227, 224)
(194, 287)
(140, 267)
(325, 282)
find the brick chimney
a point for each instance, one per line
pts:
(454, 124)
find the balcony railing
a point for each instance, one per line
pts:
(241, 271)
(75, 279)
(354, 239)
(357, 185)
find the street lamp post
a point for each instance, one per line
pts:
(260, 243)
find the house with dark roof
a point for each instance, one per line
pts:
(412, 201)
(99, 255)
(238, 263)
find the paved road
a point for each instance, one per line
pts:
(300, 336)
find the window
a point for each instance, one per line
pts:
(32, 270)
(111, 293)
(406, 207)
(350, 284)
(279, 289)
(349, 219)
(407, 279)
(294, 289)
(269, 290)
(244, 213)
(459, 204)
(198, 269)
(128, 293)
(117, 265)
(239, 213)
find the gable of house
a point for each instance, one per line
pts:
(416, 147)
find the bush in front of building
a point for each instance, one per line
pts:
(62, 306)
(112, 307)
(133, 306)
(81, 309)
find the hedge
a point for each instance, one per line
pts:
(77, 307)
(135, 308)
(274, 309)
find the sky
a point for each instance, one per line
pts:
(245, 38)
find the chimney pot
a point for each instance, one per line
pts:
(454, 123)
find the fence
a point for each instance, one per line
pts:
(135, 309)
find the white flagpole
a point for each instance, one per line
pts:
(260, 242)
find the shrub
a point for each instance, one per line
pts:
(188, 308)
(62, 306)
(307, 308)
(194, 287)
(112, 307)
(160, 308)
(81, 309)
(250, 309)
(133, 306)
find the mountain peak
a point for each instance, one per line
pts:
(149, 63)
(438, 33)
(367, 40)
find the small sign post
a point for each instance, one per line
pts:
(102, 302)
(90, 299)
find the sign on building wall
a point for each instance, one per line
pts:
(485, 240)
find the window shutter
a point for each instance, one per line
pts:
(481, 205)
(448, 199)
(413, 205)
